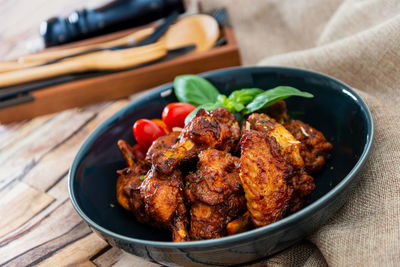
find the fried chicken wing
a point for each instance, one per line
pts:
(215, 194)
(264, 173)
(241, 224)
(164, 204)
(129, 181)
(302, 183)
(313, 148)
(278, 112)
(216, 129)
(162, 144)
(290, 146)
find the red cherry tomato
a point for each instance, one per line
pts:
(162, 124)
(146, 131)
(139, 152)
(174, 114)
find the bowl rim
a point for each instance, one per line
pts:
(276, 226)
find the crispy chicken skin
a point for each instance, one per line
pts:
(153, 197)
(162, 144)
(313, 148)
(128, 190)
(264, 173)
(129, 181)
(216, 129)
(290, 146)
(164, 204)
(241, 224)
(302, 183)
(278, 112)
(215, 194)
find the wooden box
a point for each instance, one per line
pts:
(120, 84)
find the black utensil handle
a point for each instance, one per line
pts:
(158, 32)
(117, 15)
(16, 101)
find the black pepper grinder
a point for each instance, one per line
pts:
(117, 15)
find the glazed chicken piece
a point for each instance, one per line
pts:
(241, 224)
(264, 173)
(290, 146)
(164, 204)
(215, 194)
(216, 129)
(129, 181)
(153, 197)
(302, 183)
(278, 112)
(162, 144)
(313, 148)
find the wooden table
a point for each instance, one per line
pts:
(38, 224)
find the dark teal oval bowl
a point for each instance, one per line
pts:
(336, 110)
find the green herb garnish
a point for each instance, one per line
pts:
(270, 97)
(194, 90)
(198, 91)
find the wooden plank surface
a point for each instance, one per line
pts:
(43, 228)
(38, 225)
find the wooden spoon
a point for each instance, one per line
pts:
(40, 58)
(202, 30)
(104, 60)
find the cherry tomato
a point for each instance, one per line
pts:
(162, 124)
(146, 131)
(139, 152)
(174, 114)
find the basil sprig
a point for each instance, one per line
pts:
(244, 96)
(194, 90)
(238, 99)
(271, 96)
(198, 91)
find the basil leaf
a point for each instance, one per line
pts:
(194, 90)
(272, 96)
(208, 107)
(244, 96)
(232, 106)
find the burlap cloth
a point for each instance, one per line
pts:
(358, 42)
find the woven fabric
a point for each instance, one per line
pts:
(358, 42)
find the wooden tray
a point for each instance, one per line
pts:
(121, 84)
